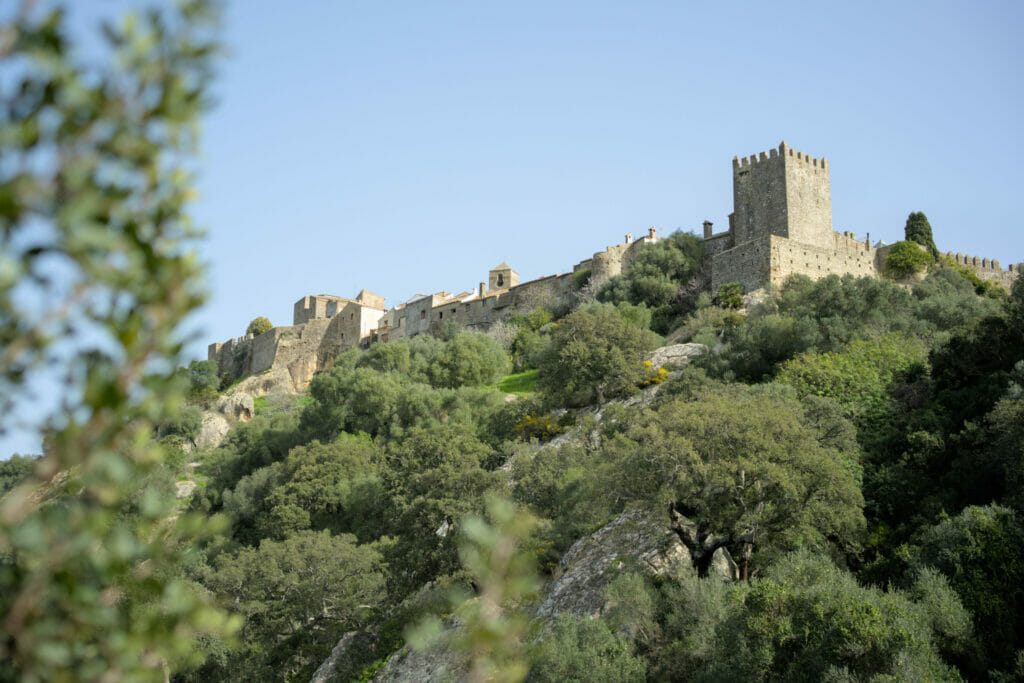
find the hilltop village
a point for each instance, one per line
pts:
(781, 225)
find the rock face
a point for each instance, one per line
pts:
(636, 537)
(184, 489)
(435, 665)
(213, 428)
(593, 561)
(237, 405)
(277, 380)
(351, 641)
(676, 353)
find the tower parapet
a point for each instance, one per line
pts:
(782, 192)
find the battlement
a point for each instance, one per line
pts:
(979, 263)
(783, 151)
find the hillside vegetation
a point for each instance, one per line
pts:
(854, 445)
(828, 488)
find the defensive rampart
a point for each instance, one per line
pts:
(988, 269)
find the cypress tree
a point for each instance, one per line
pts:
(919, 230)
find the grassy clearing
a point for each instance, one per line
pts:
(519, 383)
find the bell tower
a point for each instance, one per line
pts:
(502, 277)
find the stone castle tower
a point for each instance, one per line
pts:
(783, 193)
(782, 224)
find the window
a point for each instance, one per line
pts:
(423, 315)
(501, 279)
(440, 316)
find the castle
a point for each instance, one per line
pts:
(781, 225)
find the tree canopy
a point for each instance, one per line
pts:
(258, 326)
(919, 230)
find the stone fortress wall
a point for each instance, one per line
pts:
(988, 269)
(324, 325)
(781, 225)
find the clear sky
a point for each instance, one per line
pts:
(408, 147)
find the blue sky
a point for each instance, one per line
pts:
(408, 147)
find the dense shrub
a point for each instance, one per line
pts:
(656, 277)
(860, 376)
(584, 649)
(807, 620)
(258, 326)
(981, 553)
(469, 359)
(596, 354)
(906, 258)
(730, 295)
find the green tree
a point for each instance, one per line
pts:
(981, 552)
(98, 156)
(740, 468)
(657, 278)
(584, 649)
(203, 380)
(493, 621)
(387, 357)
(258, 326)
(596, 354)
(860, 376)
(905, 259)
(807, 620)
(469, 359)
(919, 230)
(298, 596)
(757, 347)
(320, 486)
(730, 295)
(15, 470)
(435, 480)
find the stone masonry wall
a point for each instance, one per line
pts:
(844, 255)
(716, 244)
(758, 197)
(747, 264)
(808, 198)
(989, 270)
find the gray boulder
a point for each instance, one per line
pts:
(277, 380)
(213, 428)
(676, 354)
(237, 405)
(635, 536)
(336, 663)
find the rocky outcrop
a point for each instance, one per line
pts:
(676, 354)
(336, 662)
(437, 664)
(634, 537)
(638, 537)
(237, 405)
(277, 380)
(212, 430)
(184, 489)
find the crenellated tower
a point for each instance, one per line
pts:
(783, 193)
